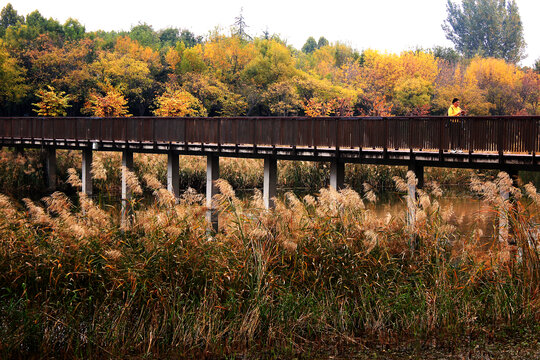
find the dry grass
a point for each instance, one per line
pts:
(318, 270)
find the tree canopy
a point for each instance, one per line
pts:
(490, 28)
(173, 71)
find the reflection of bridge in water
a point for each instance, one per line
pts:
(508, 143)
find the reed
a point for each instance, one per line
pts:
(318, 270)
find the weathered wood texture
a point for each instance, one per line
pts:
(495, 133)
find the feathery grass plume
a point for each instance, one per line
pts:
(74, 179)
(530, 190)
(97, 218)
(113, 254)
(506, 184)
(310, 200)
(369, 193)
(435, 188)
(421, 218)
(411, 178)
(329, 204)
(191, 197)
(165, 198)
(425, 201)
(58, 202)
(401, 185)
(37, 213)
(6, 208)
(225, 188)
(98, 170)
(132, 181)
(350, 200)
(448, 214)
(257, 199)
(226, 199)
(371, 240)
(152, 182)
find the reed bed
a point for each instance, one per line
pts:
(22, 174)
(317, 271)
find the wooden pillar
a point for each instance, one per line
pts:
(418, 173)
(270, 182)
(212, 174)
(127, 164)
(50, 167)
(415, 180)
(411, 198)
(19, 150)
(173, 176)
(337, 174)
(86, 174)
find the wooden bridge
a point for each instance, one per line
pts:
(508, 143)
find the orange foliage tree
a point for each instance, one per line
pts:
(112, 104)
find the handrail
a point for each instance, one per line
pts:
(498, 134)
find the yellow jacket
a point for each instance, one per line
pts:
(454, 110)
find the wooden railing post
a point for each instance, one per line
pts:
(385, 148)
(500, 140)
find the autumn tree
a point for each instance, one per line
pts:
(490, 28)
(217, 97)
(282, 99)
(130, 67)
(501, 82)
(52, 102)
(12, 79)
(112, 104)
(530, 92)
(178, 102)
(228, 56)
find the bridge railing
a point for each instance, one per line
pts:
(516, 134)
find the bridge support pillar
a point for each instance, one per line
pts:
(418, 173)
(50, 167)
(270, 182)
(173, 176)
(337, 174)
(212, 174)
(412, 184)
(127, 165)
(86, 177)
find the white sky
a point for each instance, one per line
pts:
(386, 25)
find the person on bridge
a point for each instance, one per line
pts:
(454, 109)
(456, 125)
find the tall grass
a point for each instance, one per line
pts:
(319, 269)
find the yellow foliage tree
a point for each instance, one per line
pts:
(451, 84)
(228, 56)
(334, 107)
(500, 81)
(52, 103)
(406, 80)
(179, 103)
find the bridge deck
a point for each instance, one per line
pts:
(505, 142)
